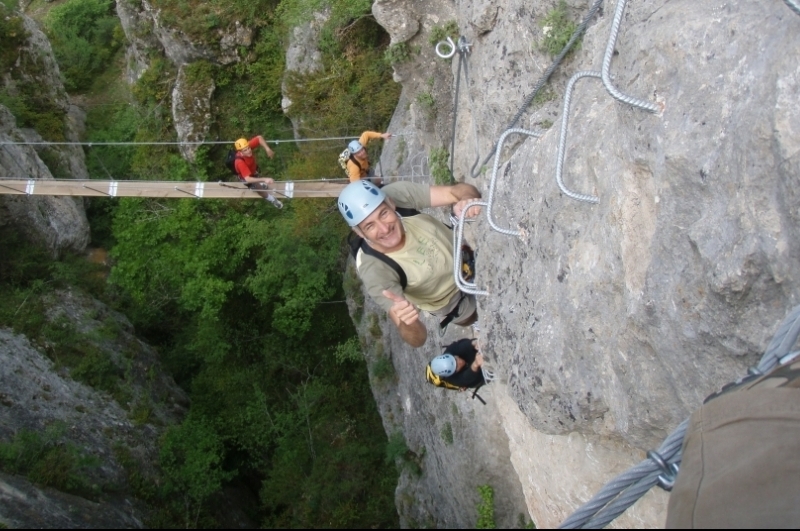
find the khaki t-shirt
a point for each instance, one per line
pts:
(426, 256)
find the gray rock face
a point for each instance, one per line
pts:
(35, 394)
(398, 18)
(57, 223)
(191, 109)
(611, 322)
(147, 34)
(303, 56)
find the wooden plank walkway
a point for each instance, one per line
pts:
(183, 189)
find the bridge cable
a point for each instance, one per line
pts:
(661, 467)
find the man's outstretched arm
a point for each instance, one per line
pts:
(459, 195)
(406, 318)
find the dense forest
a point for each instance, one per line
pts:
(244, 302)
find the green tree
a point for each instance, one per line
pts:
(85, 35)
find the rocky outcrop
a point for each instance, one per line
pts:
(58, 223)
(611, 322)
(302, 57)
(149, 35)
(38, 395)
(191, 106)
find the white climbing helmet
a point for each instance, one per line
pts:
(358, 200)
(444, 365)
(354, 147)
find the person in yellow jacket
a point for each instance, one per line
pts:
(358, 164)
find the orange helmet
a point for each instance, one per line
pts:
(241, 144)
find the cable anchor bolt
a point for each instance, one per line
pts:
(463, 46)
(669, 471)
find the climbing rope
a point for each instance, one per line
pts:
(794, 6)
(562, 143)
(545, 77)
(661, 467)
(612, 41)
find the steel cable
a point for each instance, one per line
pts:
(794, 6)
(546, 76)
(627, 488)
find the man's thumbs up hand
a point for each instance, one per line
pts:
(401, 309)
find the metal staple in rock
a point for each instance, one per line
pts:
(612, 41)
(458, 235)
(627, 488)
(545, 77)
(794, 6)
(562, 143)
(490, 200)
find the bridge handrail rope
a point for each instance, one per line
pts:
(661, 467)
(174, 143)
(458, 239)
(546, 76)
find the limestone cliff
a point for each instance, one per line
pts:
(59, 223)
(153, 31)
(609, 322)
(118, 434)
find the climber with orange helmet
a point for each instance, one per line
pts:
(247, 169)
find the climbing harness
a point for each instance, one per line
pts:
(661, 466)
(463, 48)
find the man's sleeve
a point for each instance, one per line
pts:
(254, 143)
(241, 168)
(467, 378)
(366, 136)
(378, 276)
(409, 195)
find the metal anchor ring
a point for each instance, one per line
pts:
(449, 42)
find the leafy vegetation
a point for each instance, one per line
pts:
(447, 433)
(397, 53)
(438, 163)
(557, 29)
(441, 32)
(234, 294)
(47, 461)
(486, 508)
(85, 35)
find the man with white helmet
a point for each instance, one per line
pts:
(419, 244)
(358, 163)
(460, 365)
